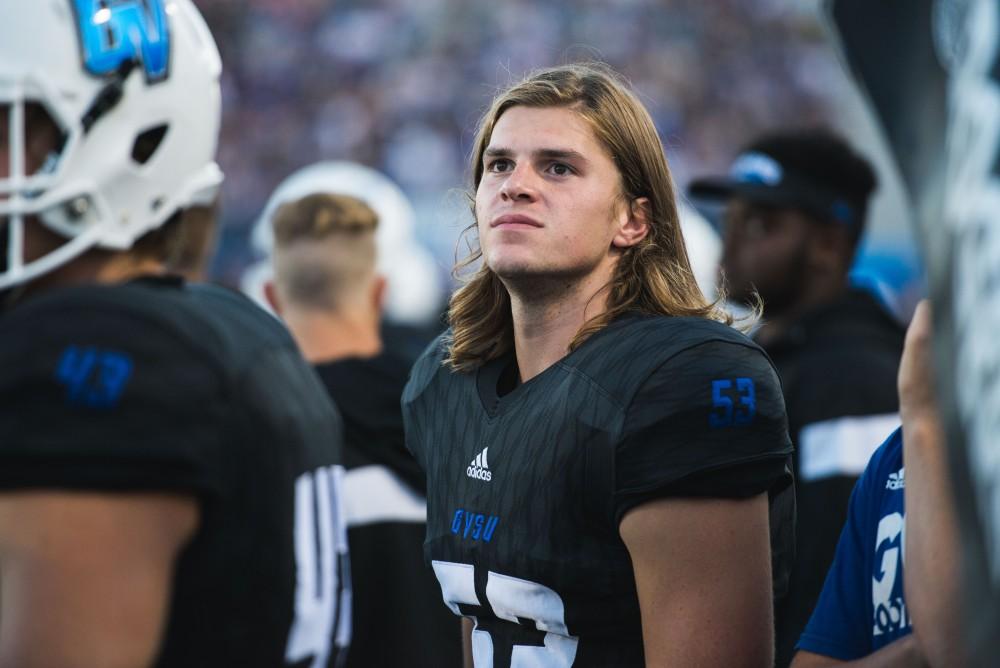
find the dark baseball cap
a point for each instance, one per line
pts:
(814, 170)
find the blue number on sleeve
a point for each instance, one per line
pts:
(727, 413)
(115, 371)
(118, 31)
(75, 366)
(93, 378)
(722, 405)
(747, 409)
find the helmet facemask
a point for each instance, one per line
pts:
(32, 144)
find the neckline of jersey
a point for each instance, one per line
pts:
(488, 375)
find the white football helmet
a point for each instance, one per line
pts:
(413, 291)
(133, 87)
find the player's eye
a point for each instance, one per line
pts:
(499, 165)
(560, 169)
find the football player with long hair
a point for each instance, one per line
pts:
(607, 459)
(169, 465)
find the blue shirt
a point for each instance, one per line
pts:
(861, 608)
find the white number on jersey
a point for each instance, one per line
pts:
(511, 598)
(322, 586)
(890, 613)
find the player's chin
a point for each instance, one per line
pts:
(506, 259)
(515, 268)
(535, 277)
(521, 269)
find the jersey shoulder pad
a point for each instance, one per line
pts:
(428, 366)
(99, 384)
(622, 357)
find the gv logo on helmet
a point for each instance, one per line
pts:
(113, 32)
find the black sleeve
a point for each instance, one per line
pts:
(95, 397)
(709, 422)
(414, 403)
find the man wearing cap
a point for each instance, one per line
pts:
(795, 205)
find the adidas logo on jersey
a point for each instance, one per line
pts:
(896, 480)
(479, 468)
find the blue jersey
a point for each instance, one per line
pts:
(861, 608)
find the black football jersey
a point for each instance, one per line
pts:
(157, 385)
(399, 618)
(526, 490)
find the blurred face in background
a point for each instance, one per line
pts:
(550, 200)
(766, 248)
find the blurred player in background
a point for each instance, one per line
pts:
(326, 289)
(169, 465)
(795, 211)
(601, 450)
(413, 299)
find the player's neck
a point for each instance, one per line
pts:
(326, 336)
(98, 267)
(547, 318)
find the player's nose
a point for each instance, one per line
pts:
(520, 184)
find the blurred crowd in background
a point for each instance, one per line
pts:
(398, 85)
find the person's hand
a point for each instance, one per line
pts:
(932, 577)
(917, 399)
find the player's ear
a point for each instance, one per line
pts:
(633, 224)
(271, 295)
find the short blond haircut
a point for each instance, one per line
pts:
(324, 250)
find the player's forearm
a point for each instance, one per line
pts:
(932, 577)
(905, 652)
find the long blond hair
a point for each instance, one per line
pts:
(652, 277)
